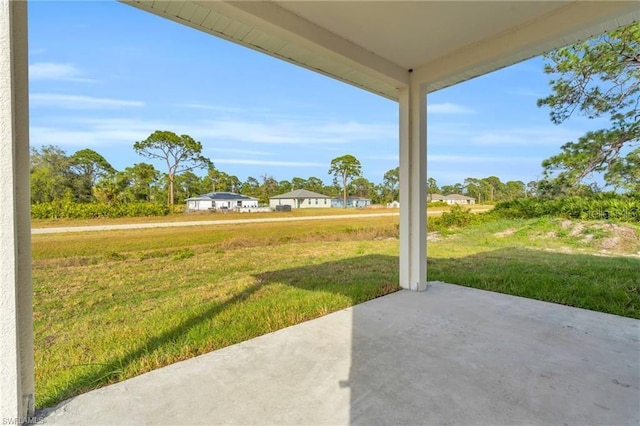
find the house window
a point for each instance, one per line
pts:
(316, 201)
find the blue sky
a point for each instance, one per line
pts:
(104, 75)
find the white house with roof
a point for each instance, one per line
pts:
(451, 199)
(300, 199)
(221, 201)
(351, 202)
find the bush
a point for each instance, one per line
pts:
(437, 204)
(72, 210)
(457, 217)
(604, 206)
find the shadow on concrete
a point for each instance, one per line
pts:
(460, 356)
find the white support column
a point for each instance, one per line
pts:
(413, 190)
(16, 309)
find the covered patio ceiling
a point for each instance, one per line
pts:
(374, 44)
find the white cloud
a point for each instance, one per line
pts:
(389, 157)
(470, 159)
(448, 108)
(217, 108)
(269, 163)
(239, 151)
(295, 132)
(82, 131)
(532, 136)
(79, 102)
(92, 132)
(55, 71)
(47, 135)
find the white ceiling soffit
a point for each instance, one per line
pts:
(374, 44)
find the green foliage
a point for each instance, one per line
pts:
(87, 167)
(457, 188)
(180, 153)
(595, 78)
(390, 189)
(362, 187)
(142, 179)
(73, 210)
(432, 186)
(219, 181)
(437, 204)
(50, 174)
(456, 217)
(605, 206)
(491, 189)
(183, 254)
(345, 167)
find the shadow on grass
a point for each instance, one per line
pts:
(110, 371)
(359, 278)
(599, 283)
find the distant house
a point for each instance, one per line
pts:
(224, 201)
(393, 205)
(351, 202)
(451, 199)
(300, 199)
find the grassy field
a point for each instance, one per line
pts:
(112, 305)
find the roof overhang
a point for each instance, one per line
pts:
(375, 44)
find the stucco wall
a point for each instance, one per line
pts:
(16, 312)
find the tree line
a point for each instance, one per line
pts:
(87, 177)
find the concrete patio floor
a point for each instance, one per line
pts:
(451, 355)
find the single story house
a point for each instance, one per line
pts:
(393, 205)
(351, 202)
(300, 199)
(451, 199)
(221, 201)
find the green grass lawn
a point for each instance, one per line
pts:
(591, 266)
(113, 305)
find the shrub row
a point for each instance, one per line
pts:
(437, 204)
(71, 210)
(601, 207)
